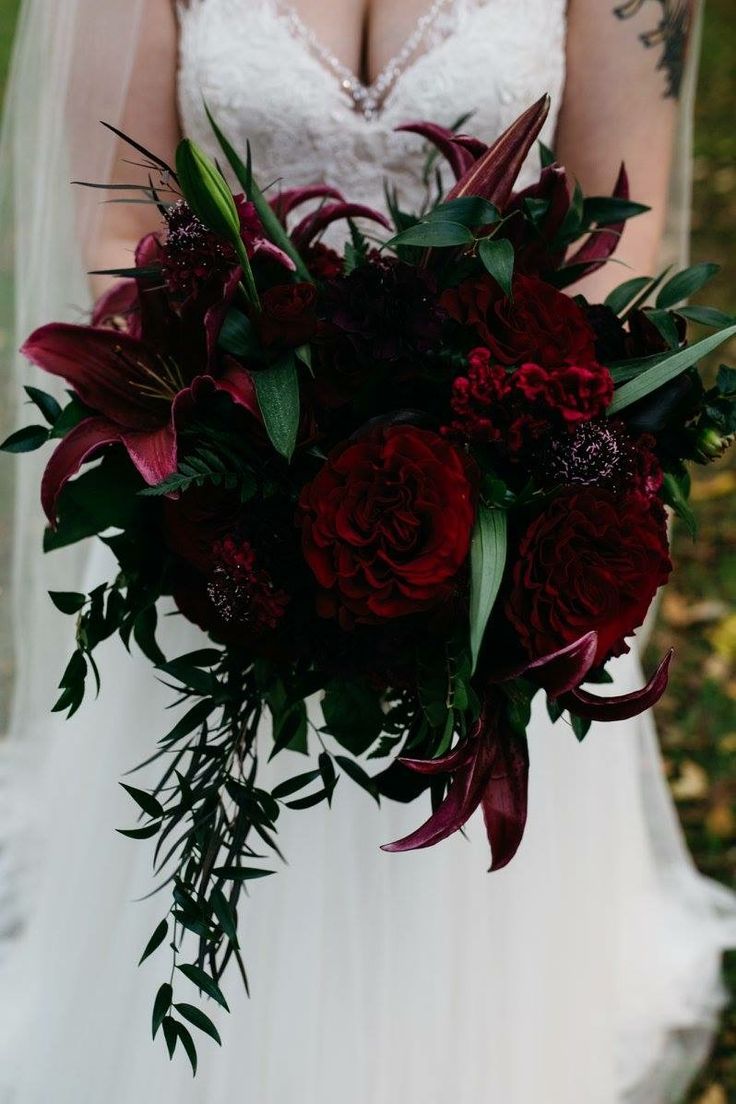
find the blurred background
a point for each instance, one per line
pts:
(697, 717)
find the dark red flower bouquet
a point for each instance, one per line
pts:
(413, 477)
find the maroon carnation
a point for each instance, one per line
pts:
(514, 410)
(386, 524)
(591, 561)
(288, 314)
(539, 325)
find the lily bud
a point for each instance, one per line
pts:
(206, 191)
(710, 444)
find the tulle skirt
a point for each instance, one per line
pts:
(587, 971)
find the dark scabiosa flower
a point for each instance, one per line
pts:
(242, 592)
(602, 454)
(192, 255)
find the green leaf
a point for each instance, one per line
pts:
(271, 224)
(435, 235)
(668, 369)
(469, 211)
(204, 982)
(675, 492)
(665, 323)
(241, 873)
(707, 316)
(188, 1043)
(620, 298)
(580, 726)
(238, 336)
(546, 155)
(353, 715)
(47, 404)
(147, 802)
(206, 191)
(293, 785)
(193, 718)
(170, 1034)
(155, 941)
(359, 776)
(73, 413)
(726, 380)
(197, 1017)
(607, 210)
(26, 440)
(686, 283)
(147, 832)
(497, 256)
(487, 563)
(277, 390)
(66, 601)
(161, 1006)
(223, 912)
(144, 633)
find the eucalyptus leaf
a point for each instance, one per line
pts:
(46, 403)
(147, 802)
(487, 563)
(707, 316)
(620, 298)
(199, 1019)
(203, 981)
(161, 1006)
(67, 601)
(155, 941)
(359, 776)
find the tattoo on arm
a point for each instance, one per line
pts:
(671, 34)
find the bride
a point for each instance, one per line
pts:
(587, 972)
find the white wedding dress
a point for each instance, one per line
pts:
(587, 972)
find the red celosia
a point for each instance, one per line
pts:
(242, 592)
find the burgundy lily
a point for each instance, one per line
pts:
(140, 382)
(489, 770)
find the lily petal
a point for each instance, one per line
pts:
(566, 668)
(493, 175)
(454, 760)
(320, 219)
(463, 798)
(505, 800)
(285, 202)
(443, 139)
(154, 453)
(118, 301)
(105, 368)
(79, 445)
(266, 248)
(596, 250)
(624, 706)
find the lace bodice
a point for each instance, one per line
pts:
(268, 79)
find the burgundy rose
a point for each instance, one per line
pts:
(540, 325)
(590, 561)
(288, 314)
(515, 410)
(386, 524)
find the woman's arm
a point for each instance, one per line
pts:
(150, 116)
(620, 103)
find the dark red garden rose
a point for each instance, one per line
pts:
(517, 409)
(590, 561)
(539, 325)
(323, 262)
(288, 314)
(386, 524)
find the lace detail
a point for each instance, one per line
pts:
(367, 98)
(267, 85)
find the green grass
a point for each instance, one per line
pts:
(697, 718)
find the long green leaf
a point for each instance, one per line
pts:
(686, 283)
(435, 235)
(487, 563)
(668, 369)
(277, 389)
(271, 224)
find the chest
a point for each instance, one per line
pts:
(272, 80)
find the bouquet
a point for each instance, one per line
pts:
(413, 480)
